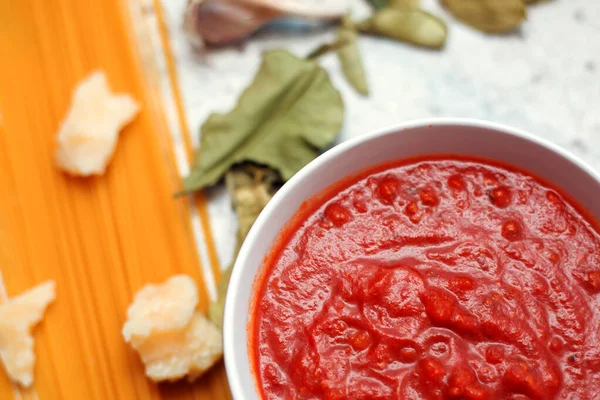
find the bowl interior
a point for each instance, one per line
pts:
(458, 137)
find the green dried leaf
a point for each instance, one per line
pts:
(491, 16)
(349, 56)
(413, 26)
(404, 3)
(289, 112)
(250, 188)
(326, 48)
(378, 4)
(215, 309)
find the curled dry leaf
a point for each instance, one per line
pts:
(225, 21)
(491, 16)
(217, 307)
(325, 48)
(250, 188)
(379, 4)
(404, 3)
(349, 56)
(289, 112)
(413, 26)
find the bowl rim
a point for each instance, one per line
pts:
(231, 364)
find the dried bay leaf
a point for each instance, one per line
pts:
(289, 112)
(250, 188)
(404, 3)
(349, 56)
(378, 4)
(413, 26)
(491, 16)
(215, 310)
(326, 48)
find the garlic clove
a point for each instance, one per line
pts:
(221, 22)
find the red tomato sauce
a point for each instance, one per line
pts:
(441, 279)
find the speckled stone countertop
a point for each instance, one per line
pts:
(544, 79)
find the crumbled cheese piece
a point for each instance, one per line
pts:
(191, 351)
(17, 317)
(88, 135)
(166, 307)
(172, 338)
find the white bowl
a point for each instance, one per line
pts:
(432, 136)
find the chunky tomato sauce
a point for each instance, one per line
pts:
(443, 279)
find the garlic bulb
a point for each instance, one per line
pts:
(220, 22)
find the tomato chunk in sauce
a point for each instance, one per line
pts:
(439, 279)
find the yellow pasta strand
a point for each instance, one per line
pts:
(100, 238)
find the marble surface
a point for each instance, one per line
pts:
(544, 79)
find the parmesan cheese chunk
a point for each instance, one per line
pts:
(172, 339)
(189, 352)
(88, 135)
(162, 308)
(17, 318)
